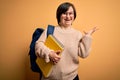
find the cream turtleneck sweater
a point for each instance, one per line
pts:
(74, 45)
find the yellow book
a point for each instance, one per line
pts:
(53, 44)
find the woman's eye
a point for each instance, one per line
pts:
(64, 13)
(70, 13)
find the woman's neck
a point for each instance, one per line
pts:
(65, 27)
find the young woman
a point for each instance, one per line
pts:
(75, 44)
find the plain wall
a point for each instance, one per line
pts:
(19, 19)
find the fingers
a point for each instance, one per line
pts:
(54, 56)
(55, 60)
(91, 31)
(85, 32)
(94, 29)
(58, 52)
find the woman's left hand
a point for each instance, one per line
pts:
(91, 31)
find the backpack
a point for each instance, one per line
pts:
(37, 33)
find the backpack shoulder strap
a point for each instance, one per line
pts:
(50, 29)
(37, 33)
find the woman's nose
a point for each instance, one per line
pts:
(67, 15)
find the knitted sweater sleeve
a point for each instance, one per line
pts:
(40, 49)
(84, 46)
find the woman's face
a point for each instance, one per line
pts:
(67, 18)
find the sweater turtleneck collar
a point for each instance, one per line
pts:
(65, 29)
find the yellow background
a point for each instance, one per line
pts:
(19, 19)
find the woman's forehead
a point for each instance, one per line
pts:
(70, 9)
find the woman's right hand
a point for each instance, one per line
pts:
(54, 56)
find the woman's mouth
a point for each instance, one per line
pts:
(67, 19)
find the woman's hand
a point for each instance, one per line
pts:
(54, 56)
(91, 31)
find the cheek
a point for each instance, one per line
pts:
(72, 16)
(62, 18)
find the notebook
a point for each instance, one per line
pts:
(55, 45)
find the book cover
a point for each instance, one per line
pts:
(53, 44)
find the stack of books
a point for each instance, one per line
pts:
(55, 45)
